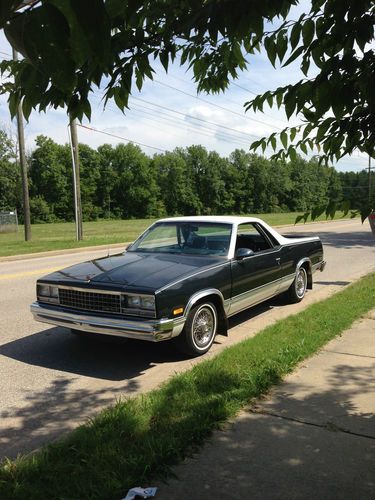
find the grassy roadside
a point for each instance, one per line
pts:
(105, 232)
(141, 438)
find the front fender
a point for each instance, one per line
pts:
(222, 310)
(194, 299)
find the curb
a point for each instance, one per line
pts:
(52, 253)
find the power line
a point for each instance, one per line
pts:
(239, 137)
(122, 138)
(246, 90)
(227, 136)
(196, 118)
(254, 93)
(349, 160)
(227, 110)
(222, 96)
(197, 128)
(243, 88)
(251, 82)
(170, 121)
(126, 139)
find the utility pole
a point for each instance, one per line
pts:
(23, 164)
(76, 178)
(369, 178)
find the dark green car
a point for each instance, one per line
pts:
(183, 277)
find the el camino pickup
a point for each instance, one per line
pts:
(183, 277)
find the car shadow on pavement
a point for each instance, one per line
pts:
(335, 283)
(58, 349)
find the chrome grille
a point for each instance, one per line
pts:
(90, 301)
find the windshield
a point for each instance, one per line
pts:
(196, 238)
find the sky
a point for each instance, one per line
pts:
(168, 113)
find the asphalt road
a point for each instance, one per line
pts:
(51, 380)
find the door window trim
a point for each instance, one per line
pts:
(259, 228)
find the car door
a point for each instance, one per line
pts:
(257, 277)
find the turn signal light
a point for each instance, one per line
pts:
(179, 310)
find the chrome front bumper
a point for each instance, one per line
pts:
(144, 329)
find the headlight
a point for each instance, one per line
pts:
(134, 301)
(47, 293)
(146, 302)
(43, 290)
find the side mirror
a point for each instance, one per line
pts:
(242, 253)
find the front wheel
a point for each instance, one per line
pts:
(298, 288)
(199, 330)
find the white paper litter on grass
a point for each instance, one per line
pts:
(140, 492)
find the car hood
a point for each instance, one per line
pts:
(136, 270)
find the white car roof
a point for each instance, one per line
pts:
(235, 220)
(225, 219)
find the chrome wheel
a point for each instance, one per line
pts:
(199, 331)
(301, 283)
(204, 326)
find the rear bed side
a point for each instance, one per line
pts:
(307, 252)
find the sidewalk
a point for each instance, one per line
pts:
(312, 437)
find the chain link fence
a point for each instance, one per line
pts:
(8, 222)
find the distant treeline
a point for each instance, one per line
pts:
(123, 182)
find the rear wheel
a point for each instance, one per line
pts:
(298, 288)
(199, 330)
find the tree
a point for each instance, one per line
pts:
(40, 210)
(355, 186)
(70, 47)
(176, 183)
(51, 177)
(123, 182)
(310, 182)
(134, 192)
(207, 181)
(90, 175)
(244, 182)
(10, 178)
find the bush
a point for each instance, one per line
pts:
(90, 212)
(40, 211)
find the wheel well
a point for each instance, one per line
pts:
(222, 326)
(307, 266)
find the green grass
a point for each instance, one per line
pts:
(47, 237)
(139, 439)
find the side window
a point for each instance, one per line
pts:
(248, 236)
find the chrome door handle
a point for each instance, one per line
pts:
(278, 260)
